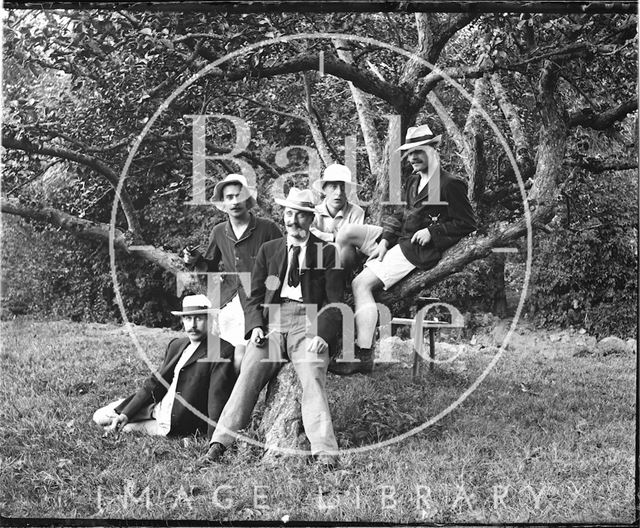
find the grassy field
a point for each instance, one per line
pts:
(547, 437)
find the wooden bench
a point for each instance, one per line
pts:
(430, 324)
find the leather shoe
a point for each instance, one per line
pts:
(364, 366)
(327, 461)
(214, 454)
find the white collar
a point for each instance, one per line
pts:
(291, 242)
(324, 210)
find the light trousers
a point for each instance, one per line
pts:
(289, 340)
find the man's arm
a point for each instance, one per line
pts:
(461, 221)
(253, 311)
(211, 259)
(152, 390)
(392, 224)
(330, 319)
(325, 237)
(221, 381)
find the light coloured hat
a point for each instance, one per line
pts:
(195, 305)
(418, 136)
(334, 173)
(237, 179)
(298, 199)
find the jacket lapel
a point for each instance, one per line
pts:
(200, 352)
(422, 195)
(280, 259)
(310, 257)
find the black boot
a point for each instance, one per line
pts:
(364, 366)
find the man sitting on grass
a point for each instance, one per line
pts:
(185, 381)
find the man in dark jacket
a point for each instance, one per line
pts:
(436, 215)
(186, 390)
(291, 279)
(232, 248)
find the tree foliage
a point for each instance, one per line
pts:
(81, 84)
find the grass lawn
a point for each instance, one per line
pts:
(546, 437)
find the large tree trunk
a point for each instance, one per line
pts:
(282, 420)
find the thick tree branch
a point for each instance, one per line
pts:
(587, 118)
(89, 161)
(473, 158)
(446, 31)
(597, 166)
(455, 259)
(326, 151)
(524, 157)
(366, 115)
(98, 232)
(552, 139)
(362, 79)
(433, 35)
(414, 68)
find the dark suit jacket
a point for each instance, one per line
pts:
(321, 283)
(204, 385)
(447, 223)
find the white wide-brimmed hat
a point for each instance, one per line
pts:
(298, 199)
(419, 136)
(334, 173)
(237, 179)
(195, 305)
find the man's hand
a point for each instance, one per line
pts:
(317, 346)
(191, 255)
(257, 337)
(117, 424)
(422, 237)
(380, 251)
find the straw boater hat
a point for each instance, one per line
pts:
(419, 136)
(237, 179)
(298, 199)
(195, 305)
(334, 173)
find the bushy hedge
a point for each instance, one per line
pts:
(50, 274)
(586, 271)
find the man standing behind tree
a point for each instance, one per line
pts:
(233, 247)
(293, 280)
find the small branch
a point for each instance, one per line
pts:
(90, 161)
(267, 108)
(31, 180)
(95, 232)
(189, 36)
(326, 151)
(587, 118)
(172, 78)
(597, 166)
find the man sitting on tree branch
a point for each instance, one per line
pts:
(436, 215)
(287, 317)
(186, 381)
(335, 211)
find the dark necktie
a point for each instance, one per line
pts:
(294, 268)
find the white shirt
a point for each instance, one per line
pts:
(162, 411)
(433, 168)
(295, 294)
(326, 226)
